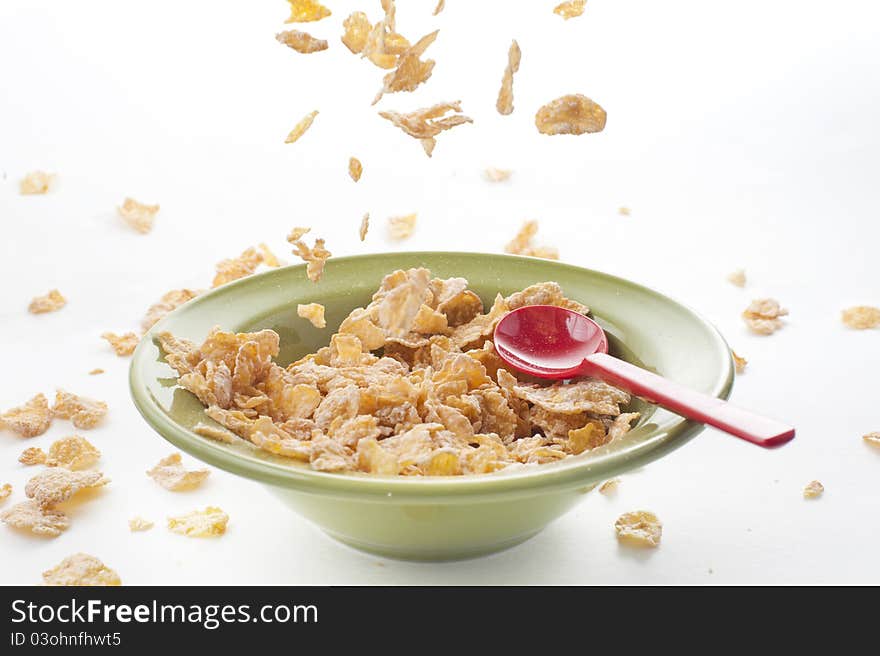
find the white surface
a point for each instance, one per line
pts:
(741, 135)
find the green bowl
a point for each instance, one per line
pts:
(434, 518)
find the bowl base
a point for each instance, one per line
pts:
(431, 555)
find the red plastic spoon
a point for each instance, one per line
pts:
(552, 342)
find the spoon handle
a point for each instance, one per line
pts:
(749, 426)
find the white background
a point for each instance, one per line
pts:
(740, 134)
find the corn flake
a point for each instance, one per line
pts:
(522, 244)
(96, 371)
(355, 169)
(136, 524)
(209, 522)
(497, 175)
(365, 225)
(861, 317)
(739, 362)
(36, 182)
(5, 491)
(72, 453)
(301, 41)
(315, 257)
(609, 487)
(123, 345)
(572, 114)
(138, 215)
(411, 71)
(762, 316)
(737, 278)
(40, 521)
(639, 529)
(872, 438)
(813, 490)
(357, 30)
(441, 5)
(217, 433)
(169, 301)
(28, 420)
(81, 570)
(570, 9)
(314, 312)
(401, 227)
(300, 128)
(306, 11)
(624, 211)
(82, 411)
(504, 104)
(49, 303)
(425, 124)
(171, 475)
(52, 486)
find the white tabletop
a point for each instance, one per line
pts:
(740, 135)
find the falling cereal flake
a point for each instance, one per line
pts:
(401, 227)
(81, 570)
(504, 104)
(440, 7)
(171, 475)
(624, 211)
(411, 71)
(872, 438)
(306, 11)
(138, 215)
(314, 312)
(522, 244)
(365, 225)
(426, 123)
(301, 41)
(96, 371)
(355, 168)
(49, 303)
(123, 345)
(28, 420)
(737, 278)
(169, 301)
(570, 9)
(238, 267)
(269, 258)
(52, 486)
(357, 30)
(28, 515)
(739, 363)
(5, 491)
(137, 524)
(813, 490)
(82, 411)
(36, 182)
(572, 114)
(861, 317)
(762, 316)
(639, 529)
(300, 128)
(205, 523)
(609, 487)
(315, 257)
(497, 175)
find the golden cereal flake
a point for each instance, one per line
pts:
(762, 316)
(497, 175)
(124, 345)
(426, 123)
(441, 5)
(591, 436)
(137, 524)
(28, 420)
(300, 128)
(872, 438)
(504, 104)
(570, 9)
(96, 371)
(639, 529)
(269, 258)
(609, 487)
(171, 475)
(314, 312)
(169, 301)
(239, 267)
(5, 491)
(82, 411)
(571, 114)
(365, 225)
(52, 486)
(32, 456)
(73, 452)
(737, 278)
(357, 29)
(49, 303)
(138, 215)
(624, 211)
(401, 227)
(40, 521)
(522, 244)
(315, 257)
(206, 523)
(813, 490)
(217, 433)
(306, 11)
(585, 395)
(36, 182)
(355, 168)
(739, 363)
(861, 317)
(411, 71)
(301, 41)
(81, 570)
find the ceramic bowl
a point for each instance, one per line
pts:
(434, 518)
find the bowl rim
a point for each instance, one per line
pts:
(569, 473)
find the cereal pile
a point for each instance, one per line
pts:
(437, 401)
